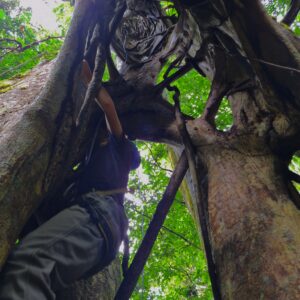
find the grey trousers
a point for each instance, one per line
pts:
(59, 252)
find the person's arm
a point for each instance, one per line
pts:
(106, 103)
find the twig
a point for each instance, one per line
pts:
(11, 41)
(155, 161)
(259, 60)
(292, 13)
(127, 286)
(20, 48)
(171, 231)
(173, 64)
(116, 21)
(276, 65)
(293, 176)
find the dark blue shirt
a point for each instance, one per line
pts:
(109, 165)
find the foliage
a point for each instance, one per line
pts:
(176, 268)
(9, 5)
(295, 167)
(168, 8)
(194, 90)
(16, 32)
(278, 9)
(64, 14)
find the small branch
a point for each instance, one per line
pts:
(92, 42)
(293, 176)
(155, 161)
(20, 48)
(276, 65)
(116, 21)
(173, 64)
(172, 231)
(11, 41)
(292, 13)
(196, 67)
(168, 80)
(127, 286)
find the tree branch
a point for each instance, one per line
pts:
(172, 231)
(127, 286)
(11, 41)
(168, 80)
(293, 176)
(292, 13)
(21, 48)
(216, 94)
(155, 161)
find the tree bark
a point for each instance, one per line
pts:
(27, 150)
(102, 286)
(254, 225)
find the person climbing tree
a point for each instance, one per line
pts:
(85, 237)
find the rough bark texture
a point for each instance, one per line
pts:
(254, 225)
(102, 286)
(27, 150)
(252, 213)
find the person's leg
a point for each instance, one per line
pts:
(56, 254)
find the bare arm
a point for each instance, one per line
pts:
(106, 103)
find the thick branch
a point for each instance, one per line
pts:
(292, 13)
(160, 214)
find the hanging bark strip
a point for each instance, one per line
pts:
(104, 31)
(189, 149)
(95, 84)
(128, 284)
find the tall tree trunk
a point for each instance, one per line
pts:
(254, 225)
